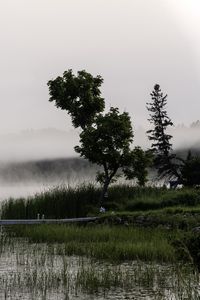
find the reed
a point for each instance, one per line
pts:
(104, 242)
(43, 271)
(63, 202)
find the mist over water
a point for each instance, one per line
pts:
(37, 160)
(22, 179)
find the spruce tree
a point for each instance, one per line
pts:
(161, 146)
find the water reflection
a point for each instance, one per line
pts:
(44, 272)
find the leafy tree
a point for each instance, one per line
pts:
(79, 95)
(139, 162)
(105, 139)
(164, 160)
(191, 170)
(107, 144)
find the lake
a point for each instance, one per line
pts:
(41, 271)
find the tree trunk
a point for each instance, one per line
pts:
(104, 191)
(108, 178)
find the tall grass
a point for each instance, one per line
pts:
(112, 243)
(65, 202)
(59, 202)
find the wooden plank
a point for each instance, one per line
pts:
(46, 221)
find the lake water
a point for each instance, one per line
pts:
(44, 272)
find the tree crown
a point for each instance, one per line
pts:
(79, 95)
(160, 120)
(107, 142)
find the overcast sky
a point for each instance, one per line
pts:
(132, 44)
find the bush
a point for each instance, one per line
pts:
(182, 197)
(142, 205)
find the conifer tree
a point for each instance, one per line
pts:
(164, 159)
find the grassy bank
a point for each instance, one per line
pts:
(144, 242)
(105, 242)
(171, 218)
(116, 243)
(151, 224)
(84, 200)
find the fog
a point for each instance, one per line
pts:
(38, 144)
(22, 179)
(132, 44)
(183, 137)
(36, 160)
(50, 143)
(33, 161)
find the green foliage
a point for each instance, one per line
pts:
(105, 139)
(83, 200)
(139, 162)
(164, 160)
(160, 120)
(191, 170)
(108, 140)
(79, 95)
(152, 199)
(104, 242)
(107, 143)
(168, 164)
(185, 197)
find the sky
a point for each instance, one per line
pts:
(132, 44)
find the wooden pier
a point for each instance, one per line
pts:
(46, 221)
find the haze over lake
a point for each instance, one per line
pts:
(36, 160)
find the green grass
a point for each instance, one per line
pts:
(104, 242)
(116, 243)
(177, 217)
(84, 200)
(148, 224)
(60, 202)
